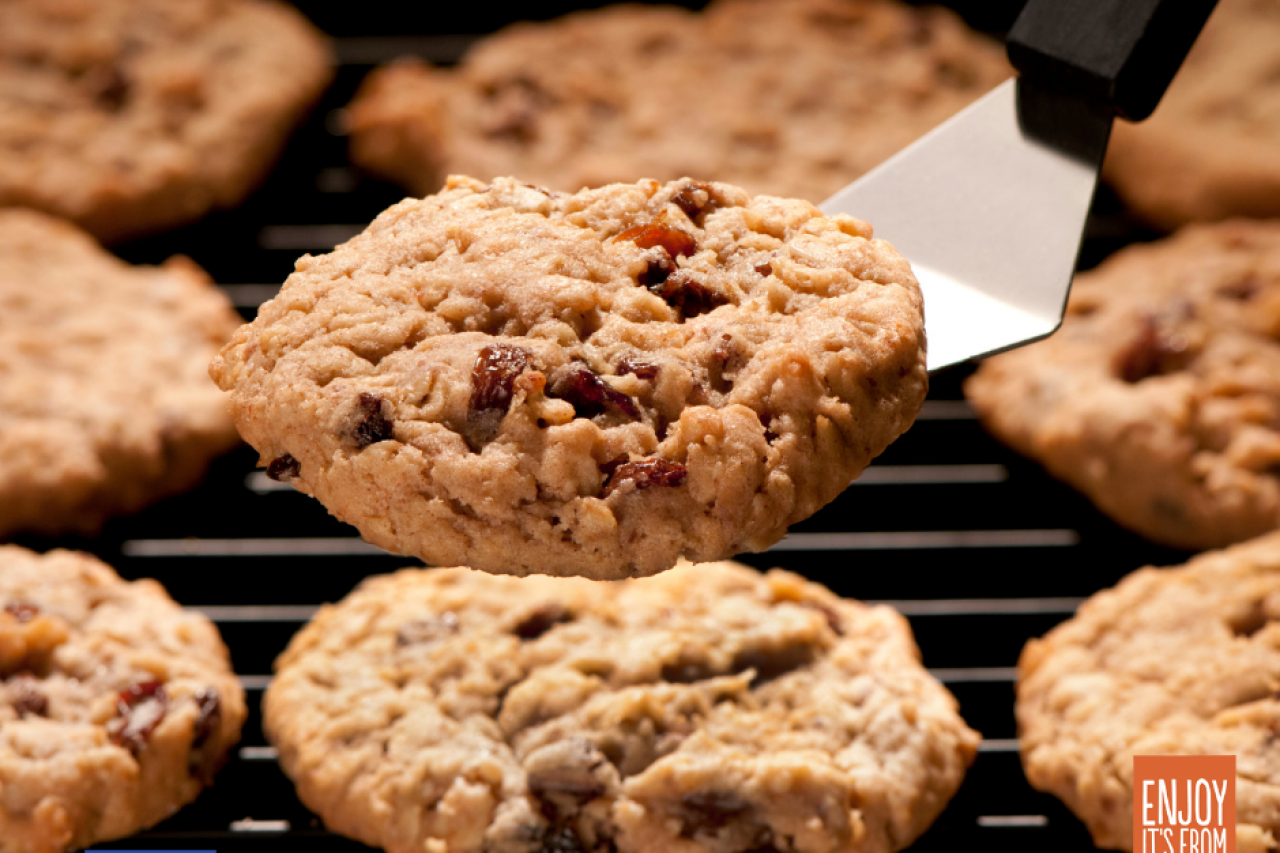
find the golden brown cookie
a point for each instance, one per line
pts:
(523, 381)
(132, 116)
(105, 404)
(787, 97)
(116, 705)
(1159, 397)
(710, 708)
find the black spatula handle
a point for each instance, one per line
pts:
(1119, 53)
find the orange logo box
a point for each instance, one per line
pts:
(1184, 804)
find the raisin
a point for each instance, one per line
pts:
(284, 468)
(765, 269)
(28, 701)
(771, 663)
(428, 630)
(519, 127)
(109, 87)
(201, 761)
(494, 375)
(541, 620)
(686, 672)
(371, 426)
(1152, 352)
(688, 200)
(645, 473)
(658, 270)
(1243, 289)
(139, 709)
(709, 810)
(766, 421)
(591, 395)
(22, 611)
(562, 840)
(637, 366)
(676, 242)
(687, 295)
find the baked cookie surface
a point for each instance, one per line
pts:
(1159, 397)
(1173, 661)
(727, 94)
(1209, 150)
(116, 706)
(596, 384)
(105, 404)
(710, 708)
(131, 116)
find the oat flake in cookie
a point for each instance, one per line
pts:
(526, 381)
(1177, 661)
(116, 706)
(787, 97)
(710, 708)
(105, 404)
(131, 116)
(1159, 397)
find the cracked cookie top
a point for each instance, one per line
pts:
(523, 381)
(710, 708)
(131, 116)
(116, 705)
(1159, 397)
(786, 97)
(1172, 661)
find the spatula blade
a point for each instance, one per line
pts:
(990, 217)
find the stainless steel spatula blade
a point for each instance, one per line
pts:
(991, 220)
(990, 207)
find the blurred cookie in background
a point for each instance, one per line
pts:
(1159, 397)
(133, 116)
(1211, 150)
(105, 403)
(794, 98)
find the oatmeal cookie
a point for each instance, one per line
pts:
(787, 97)
(520, 380)
(1159, 397)
(711, 708)
(104, 401)
(131, 116)
(1178, 661)
(1210, 150)
(116, 706)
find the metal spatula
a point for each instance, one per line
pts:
(990, 207)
